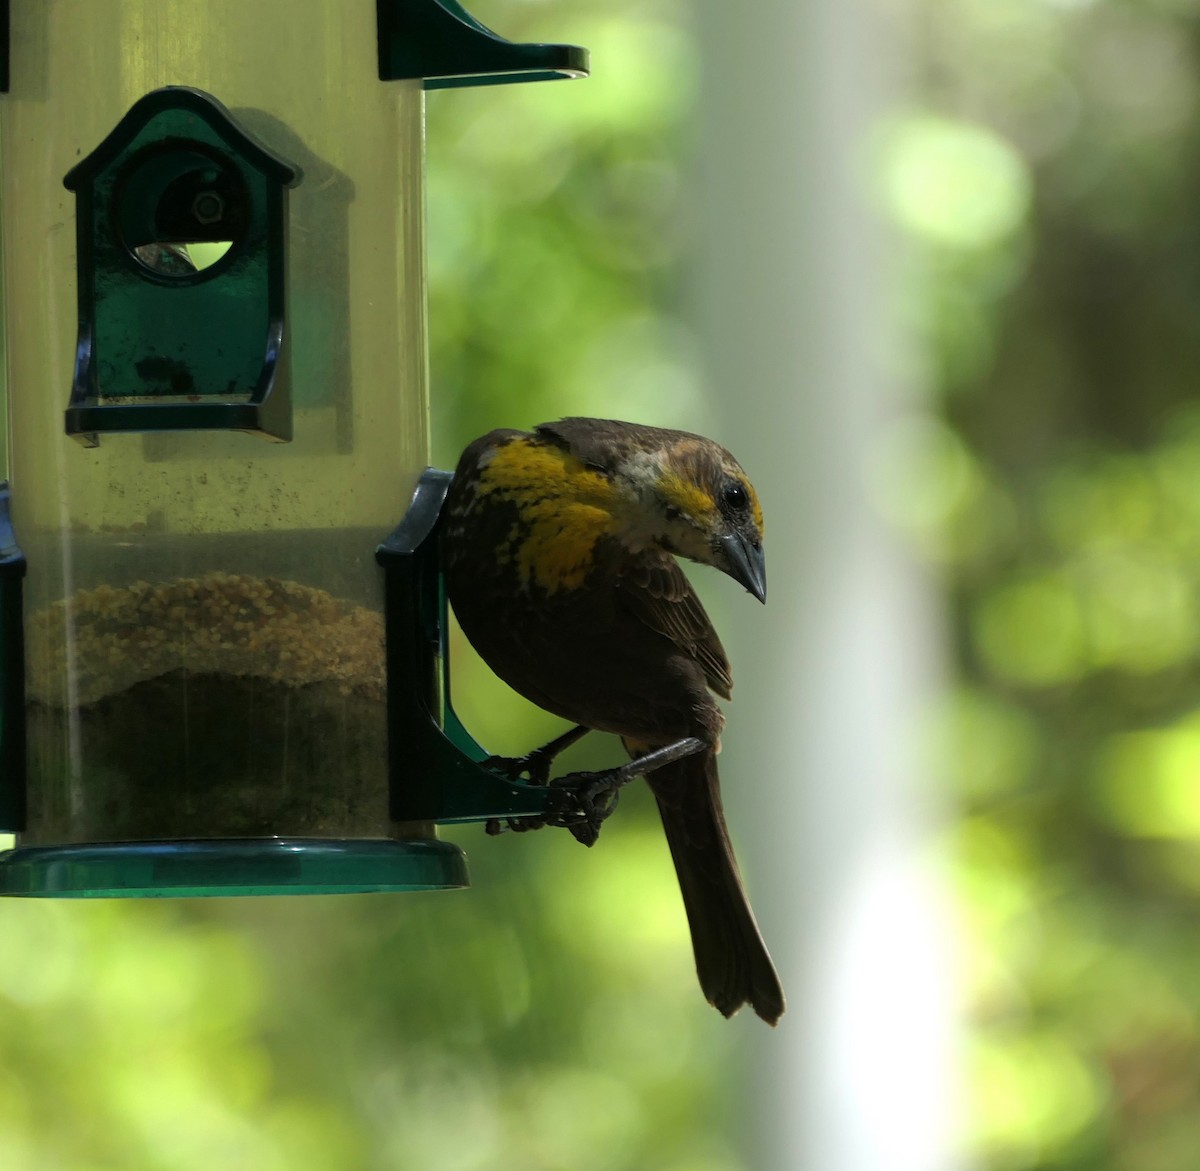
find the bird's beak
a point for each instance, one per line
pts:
(746, 564)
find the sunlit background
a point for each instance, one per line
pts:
(932, 269)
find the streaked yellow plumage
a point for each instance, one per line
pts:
(564, 516)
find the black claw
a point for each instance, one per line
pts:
(533, 768)
(536, 765)
(583, 802)
(495, 826)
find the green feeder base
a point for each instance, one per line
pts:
(242, 866)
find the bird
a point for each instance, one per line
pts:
(559, 551)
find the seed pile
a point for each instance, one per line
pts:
(214, 706)
(221, 623)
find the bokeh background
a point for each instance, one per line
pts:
(933, 270)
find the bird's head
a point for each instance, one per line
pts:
(689, 496)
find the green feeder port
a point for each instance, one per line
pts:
(222, 662)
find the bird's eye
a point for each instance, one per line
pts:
(735, 495)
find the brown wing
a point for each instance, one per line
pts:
(655, 590)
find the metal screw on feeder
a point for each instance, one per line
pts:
(218, 673)
(208, 208)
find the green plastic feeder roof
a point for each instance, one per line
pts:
(440, 43)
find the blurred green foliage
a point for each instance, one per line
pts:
(557, 225)
(1049, 180)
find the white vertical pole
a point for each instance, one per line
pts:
(833, 678)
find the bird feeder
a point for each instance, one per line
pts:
(222, 633)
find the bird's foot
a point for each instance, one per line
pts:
(584, 801)
(518, 825)
(534, 767)
(581, 803)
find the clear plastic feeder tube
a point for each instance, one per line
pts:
(203, 612)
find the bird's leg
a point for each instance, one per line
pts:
(536, 764)
(585, 800)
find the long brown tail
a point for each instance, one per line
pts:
(731, 958)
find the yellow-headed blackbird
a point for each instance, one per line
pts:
(559, 564)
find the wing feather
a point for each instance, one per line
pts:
(654, 589)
